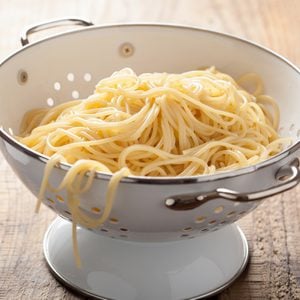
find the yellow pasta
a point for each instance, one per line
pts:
(155, 124)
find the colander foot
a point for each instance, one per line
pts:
(117, 269)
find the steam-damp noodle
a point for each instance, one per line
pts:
(155, 124)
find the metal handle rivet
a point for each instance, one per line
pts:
(126, 50)
(170, 202)
(22, 77)
(200, 198)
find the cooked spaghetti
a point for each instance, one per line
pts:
(155, 124)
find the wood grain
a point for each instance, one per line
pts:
(272, 230)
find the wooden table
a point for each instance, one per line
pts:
(272, 230)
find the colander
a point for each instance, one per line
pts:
(166, 238)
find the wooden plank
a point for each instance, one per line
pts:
(272, 230)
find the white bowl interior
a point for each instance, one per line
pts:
(69, 66)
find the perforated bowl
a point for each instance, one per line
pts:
(68, 66)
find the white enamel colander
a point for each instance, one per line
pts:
(67, 66)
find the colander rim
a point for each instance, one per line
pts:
(149, 179)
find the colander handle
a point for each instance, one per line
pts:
(288, 175)
(51, 24)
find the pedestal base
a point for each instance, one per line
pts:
(121, 270)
